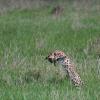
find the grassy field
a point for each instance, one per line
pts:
(26, 38)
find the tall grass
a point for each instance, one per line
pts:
(27, 36)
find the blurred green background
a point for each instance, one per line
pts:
(30, 29)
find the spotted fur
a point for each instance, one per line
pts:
(61, 58)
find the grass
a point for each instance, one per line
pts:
(26, 38)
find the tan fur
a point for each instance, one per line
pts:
(69, 67)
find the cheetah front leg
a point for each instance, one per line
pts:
(74, 77)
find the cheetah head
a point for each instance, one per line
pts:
(55, 56)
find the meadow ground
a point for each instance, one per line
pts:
(26, 38)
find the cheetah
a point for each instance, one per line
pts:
(68, 66)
